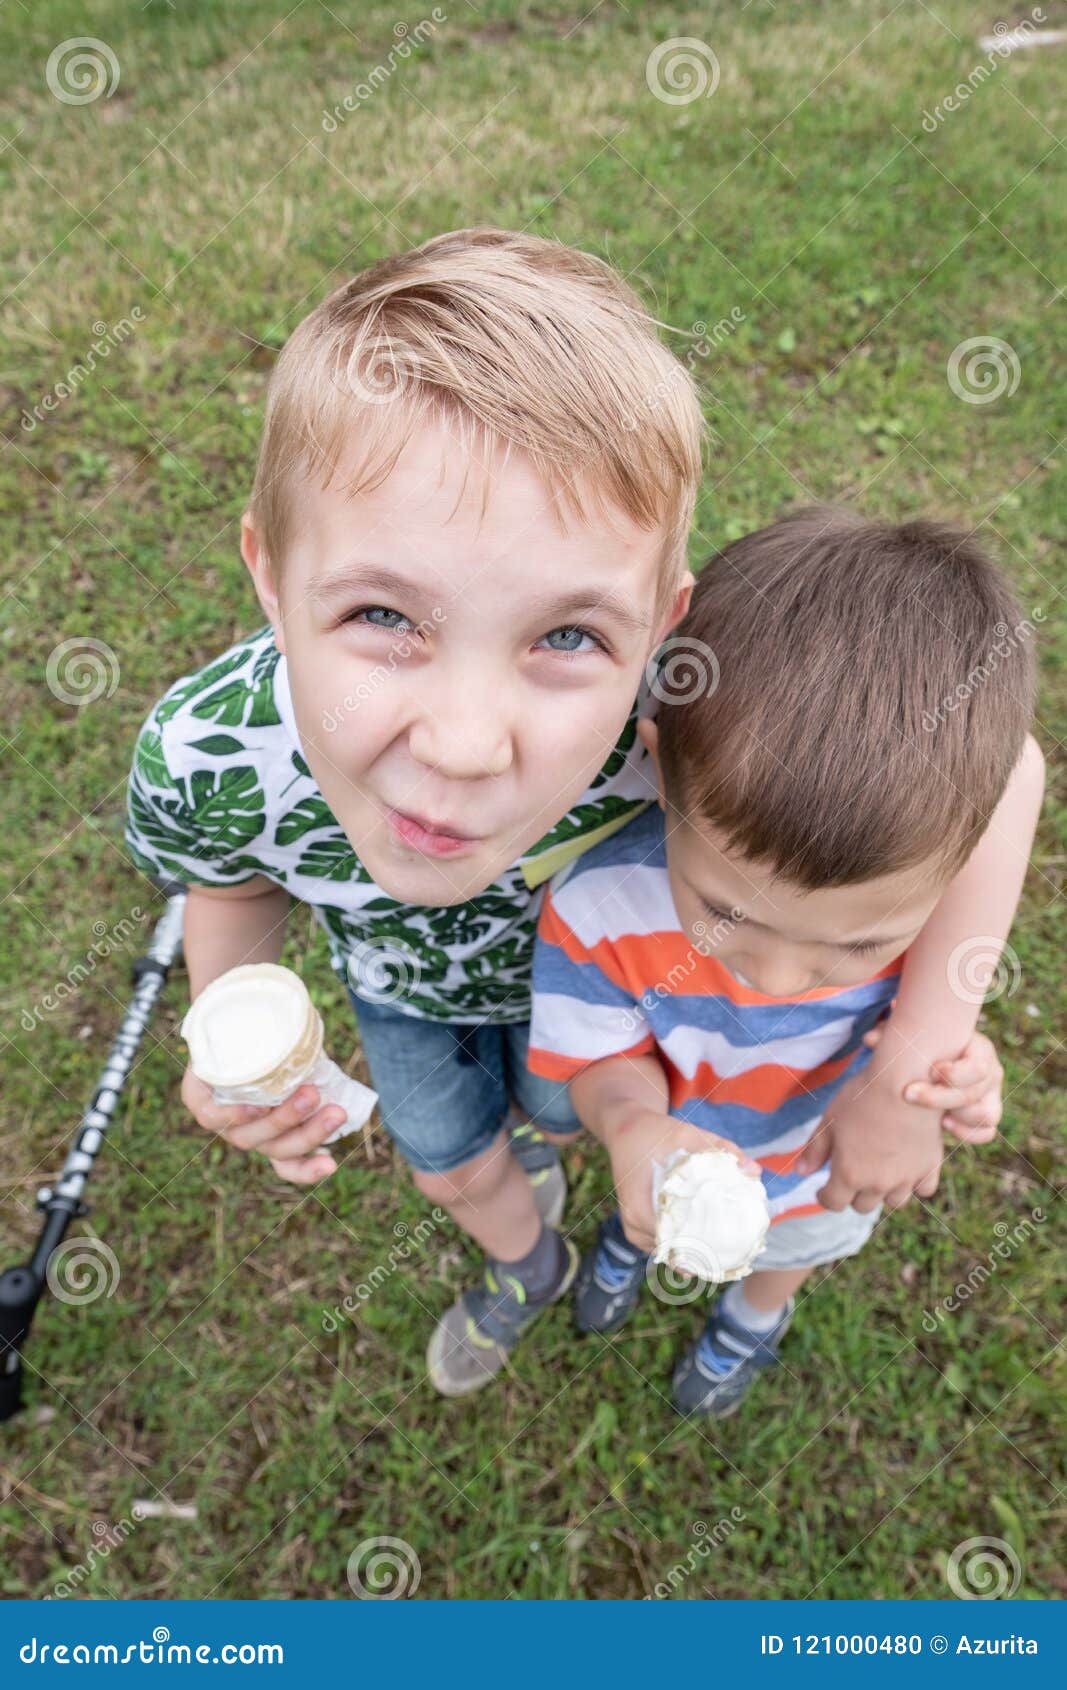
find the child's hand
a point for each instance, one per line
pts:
(285, 1134)
(966, 1091)
(645, 1137)
(881, 1149)
(885, 1147)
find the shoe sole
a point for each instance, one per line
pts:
(435, 1348)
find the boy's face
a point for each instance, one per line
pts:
(457, 680)
(778, 938)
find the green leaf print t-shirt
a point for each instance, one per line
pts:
(220, 791)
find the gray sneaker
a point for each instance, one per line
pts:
(539, 1161)
(609, 1281)
(718, 1370)
(471, 1343)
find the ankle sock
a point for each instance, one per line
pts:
(540, 1270)
(721, 1353)
(737, 1306)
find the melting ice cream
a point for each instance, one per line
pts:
(711, 1217)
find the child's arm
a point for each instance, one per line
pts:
(228, 926)
(623, 1101)
(882, 1148)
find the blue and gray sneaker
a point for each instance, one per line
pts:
(609, 1280)
(716, 1371)
(473, 1340)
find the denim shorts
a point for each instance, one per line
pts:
(444, 1088)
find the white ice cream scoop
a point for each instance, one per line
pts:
(711, 1217)
(255, 1036)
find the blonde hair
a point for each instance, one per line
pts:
(514, 341)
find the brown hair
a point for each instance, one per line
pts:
(514, 340)
(868, 695)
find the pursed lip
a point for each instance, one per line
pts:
(433, 838)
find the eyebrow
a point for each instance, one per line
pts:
(838, 944)
(363, 577)
(585, 602)
(570, 607)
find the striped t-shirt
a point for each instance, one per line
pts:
(615, 974)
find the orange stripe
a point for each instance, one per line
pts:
(795, 1214)
(764, 1088)
(554, 930)
(551, 1066)
(783, 1162)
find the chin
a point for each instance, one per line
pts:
(419, 881)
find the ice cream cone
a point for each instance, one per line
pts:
(254, 1036)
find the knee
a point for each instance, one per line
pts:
(468, 1183)
(562, 1139)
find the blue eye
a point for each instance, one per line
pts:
(570, 639)
(377, 616)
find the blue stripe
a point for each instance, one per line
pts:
(747, 1025)
(554, 971)
(640, 841)
(752, 1129)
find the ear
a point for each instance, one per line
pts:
(648, 734)
(679, 606)
(259, 568)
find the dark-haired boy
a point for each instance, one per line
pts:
(849, 718)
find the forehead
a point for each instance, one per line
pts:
(766, 895)
(447, 504)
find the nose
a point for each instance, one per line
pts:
(463, 726)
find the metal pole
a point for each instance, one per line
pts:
(21, 1287)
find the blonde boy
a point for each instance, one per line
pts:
(467, 532)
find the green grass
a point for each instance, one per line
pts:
(860, 250)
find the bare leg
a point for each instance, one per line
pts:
(767, 1291)
(490, 1199)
